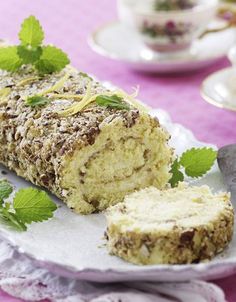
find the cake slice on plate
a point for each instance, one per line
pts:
(176, 226)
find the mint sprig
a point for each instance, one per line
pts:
(194, 163)
(46, 59)
(29, 205)
(112, 101)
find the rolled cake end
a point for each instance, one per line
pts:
(123, 158)
(89, 156)
(176, 226)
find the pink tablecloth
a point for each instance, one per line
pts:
(68, 24)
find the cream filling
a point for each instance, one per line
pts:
(120, 161)
(173, 226)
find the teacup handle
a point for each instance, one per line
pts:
(215, 30)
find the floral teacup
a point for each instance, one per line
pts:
(168, 25)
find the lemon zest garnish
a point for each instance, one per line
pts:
(130, 98)
(56, 86)
(87, 99)
(27, 81)
(4, 92)
(66, 96)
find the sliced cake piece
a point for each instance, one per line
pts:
(175, 226)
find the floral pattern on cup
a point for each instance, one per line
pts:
(228, 13)
(167, 5)
(171, 30)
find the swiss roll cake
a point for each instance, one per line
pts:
(175, 226)
(87, 154)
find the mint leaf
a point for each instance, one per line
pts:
(33, 205)
(177, 175)
(31, 32)
(28, 205)
(9, 59)
(112, 101)
(37, 100)
(29, 55)
(5, 189)
(52, 59)
(10, 219)
(198, 161)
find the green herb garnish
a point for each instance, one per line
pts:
(113, 101)
(29, 205)
(85, 75)
(31, 32)
(9, 58)
(194, 163)
(46, 59)
(37, 100)
(5, 190)
(52, 59)
(177, 175)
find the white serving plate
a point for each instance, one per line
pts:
(120, 42)
(73, 246)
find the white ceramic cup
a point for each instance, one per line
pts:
(167, 31)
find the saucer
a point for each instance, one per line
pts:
(219, 89)
(119, 42)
